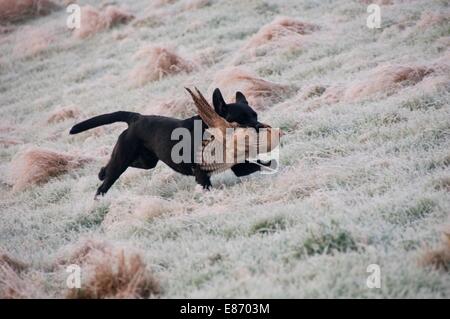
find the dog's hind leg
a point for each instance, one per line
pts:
(123, 154)
(144, 159)
(102, 173)
(202, 178)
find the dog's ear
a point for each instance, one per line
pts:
(240, 98)
(219, 103)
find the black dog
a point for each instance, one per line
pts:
(148, 140)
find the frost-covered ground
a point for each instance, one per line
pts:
(364, 176)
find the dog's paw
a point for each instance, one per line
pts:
(198, 188)
(100, 192)
(202, 188)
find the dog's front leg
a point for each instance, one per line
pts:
(202, 177)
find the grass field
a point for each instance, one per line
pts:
(364, 172)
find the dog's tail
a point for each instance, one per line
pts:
(120, 116)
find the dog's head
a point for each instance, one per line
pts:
(239, 112)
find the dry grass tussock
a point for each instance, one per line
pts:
(13, 283)
(111, 273)
(153, 207)
(63, 113)
(6, 133)
(18, 10)
(379, 2)
(260, 93)
(177, 107)
(184, 5)
(161, 3)
(36, 165)
(13, 263)
(385, 79)
(156, 62)
(124, 213)
(195, 4)
(280, 34)
(94, 20)
(438, 258)
(31, 41)
(9, 142)
(428, 19)
(84, 252)
(284, 30)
